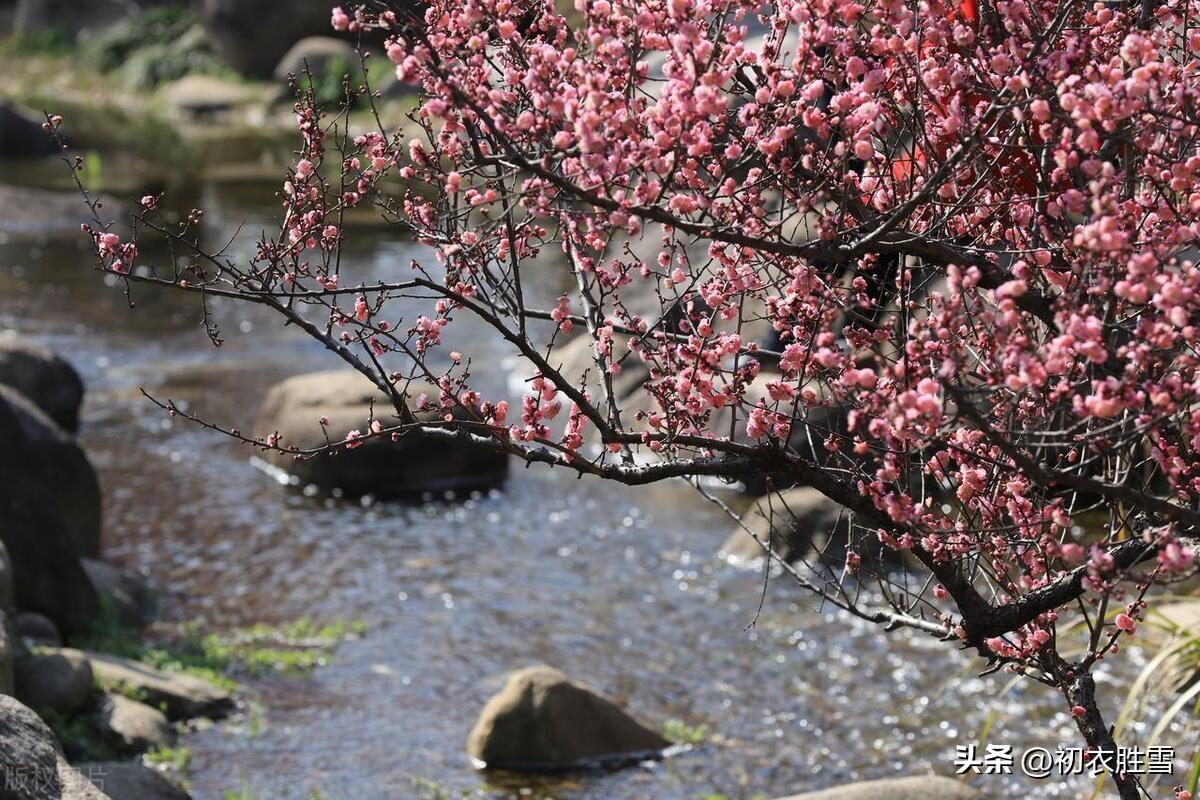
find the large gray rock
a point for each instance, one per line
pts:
(29, 755)
(132, 726)
(131, 781)
(380, 466)
(323, 56)
(253, 35)
(41, 375)
(124, 590)
(913, 787)
(542, 720)
(65, 469)
(183, 696)
(57, 678)
(48, 577)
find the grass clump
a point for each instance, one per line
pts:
(79, 735)
(681, 732)
(177, 758)
(293, 647)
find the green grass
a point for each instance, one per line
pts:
(177, 758)
(681, 732)
(292, 648)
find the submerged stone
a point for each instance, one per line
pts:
(543, 721)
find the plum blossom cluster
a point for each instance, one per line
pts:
(935, 258)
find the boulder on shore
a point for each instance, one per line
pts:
(255, 48)
(543, 721)
(323, 56)
(183, 696)
(407, 465)
(132, 726)
(47, 575)
(37, 629)
(44, 377)
(57, 678)
(911, 787)
(65, 470)
(27, 750)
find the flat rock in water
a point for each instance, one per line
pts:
(204, 95)
(542, 721)
(411, 464)
(912, 787)
(122, 780)
(184, 696)
(134, 726)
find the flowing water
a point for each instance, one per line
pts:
(619, 587)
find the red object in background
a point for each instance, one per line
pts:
(969, 10)
(1016, 166)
